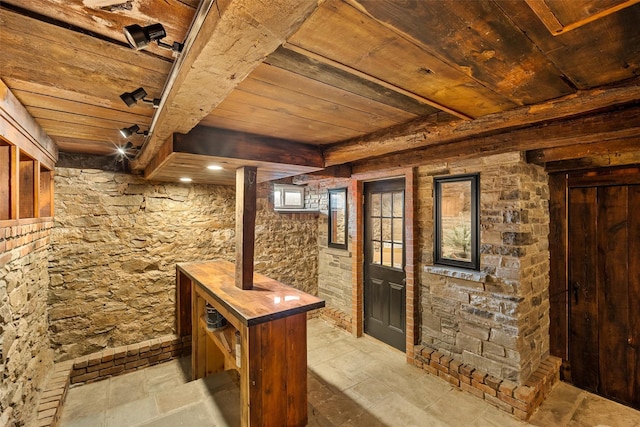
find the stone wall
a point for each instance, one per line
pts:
(495, 320)
(334, 265)
(117, 239)
(25, 355)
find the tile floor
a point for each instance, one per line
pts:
(352, 382)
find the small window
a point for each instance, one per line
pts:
(457, 222)
(288, 196)
(338, 218)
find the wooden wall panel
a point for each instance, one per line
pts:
(558, 292)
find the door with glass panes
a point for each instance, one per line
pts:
(384, 254)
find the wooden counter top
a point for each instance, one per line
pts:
(268, 300)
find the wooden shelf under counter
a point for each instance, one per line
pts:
(272, 323)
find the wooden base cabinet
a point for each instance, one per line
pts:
(271, 322)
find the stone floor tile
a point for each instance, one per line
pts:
(317, 389)
(94, 420)
(194, 415)
(499, 419)
(398, 411)
(132, 413)
(339, 409)
(175, 398)
(560, 407)
(127, 388)
(335, 377)
(598, 411)
(224, 408)
(215, 383)
(86, 400)
(330, 351)
(368, 392)
(458, 408)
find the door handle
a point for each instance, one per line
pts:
(576, 289)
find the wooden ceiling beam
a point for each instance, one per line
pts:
(415, 136)
(555, 154)
(596, 128)
(232, 145)
(228, 39)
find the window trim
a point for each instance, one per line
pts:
(291, 188)
(331, 243)
(474, 181)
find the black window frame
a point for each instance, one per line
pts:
(474, 180)
(330, 241)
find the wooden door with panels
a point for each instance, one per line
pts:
(384, 255)
(603, 216)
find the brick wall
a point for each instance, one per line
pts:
(25, 355)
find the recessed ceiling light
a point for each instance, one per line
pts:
(214, 167)
(185, 179)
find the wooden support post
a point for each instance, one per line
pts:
(245, 225)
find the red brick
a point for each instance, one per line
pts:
(485, 388)
(81, 362)
(164, 356)
(430, 369)
(524, 393)
(137, 363)
(132, 350)
(43, 406)
(466, 370)
(445, 361)
(478, 376)
(85, 377)
(513, 402)
(499, 403)
(119, 352)
(436, 356)
(100, 367)
(455, 366)
(507, 387)
(464, 379)
(492, 382)
(107, 355)
(453, 381)
(426, 352)
(472, 390)
(94, 359)
(520, 414)
(112, 370)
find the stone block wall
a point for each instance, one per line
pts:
(334, 265)
(495, 320)
(25, 355)
(117, 239)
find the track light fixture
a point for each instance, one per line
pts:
(139, 37)
(131, 130)
(128, 146)
(131, 98)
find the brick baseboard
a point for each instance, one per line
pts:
(337, 318)
(518, 400)
(102, 365)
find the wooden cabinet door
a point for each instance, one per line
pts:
(604, 290)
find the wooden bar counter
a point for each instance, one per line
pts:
(272, 323)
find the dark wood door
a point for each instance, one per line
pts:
(384, 285)
(604, 290)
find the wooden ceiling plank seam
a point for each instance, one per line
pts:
(555, 27)
(59, 95)
(573, 52)
(376, 80)
(293, 128)
(309, 106)
(54, 37)
(71, 118)
(224, 45)
(324, 73)
(293, 113)
(368, 46)
(237, 124)
(510, 63)
(83, 110)
(595, 128)
(173, 14)
(325, 93)
(594, 162)
(557, 109)
(69, 144)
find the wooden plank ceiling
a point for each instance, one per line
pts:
(336, 75)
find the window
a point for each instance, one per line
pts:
(338, 218)
(457, 222)
(288, 196)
